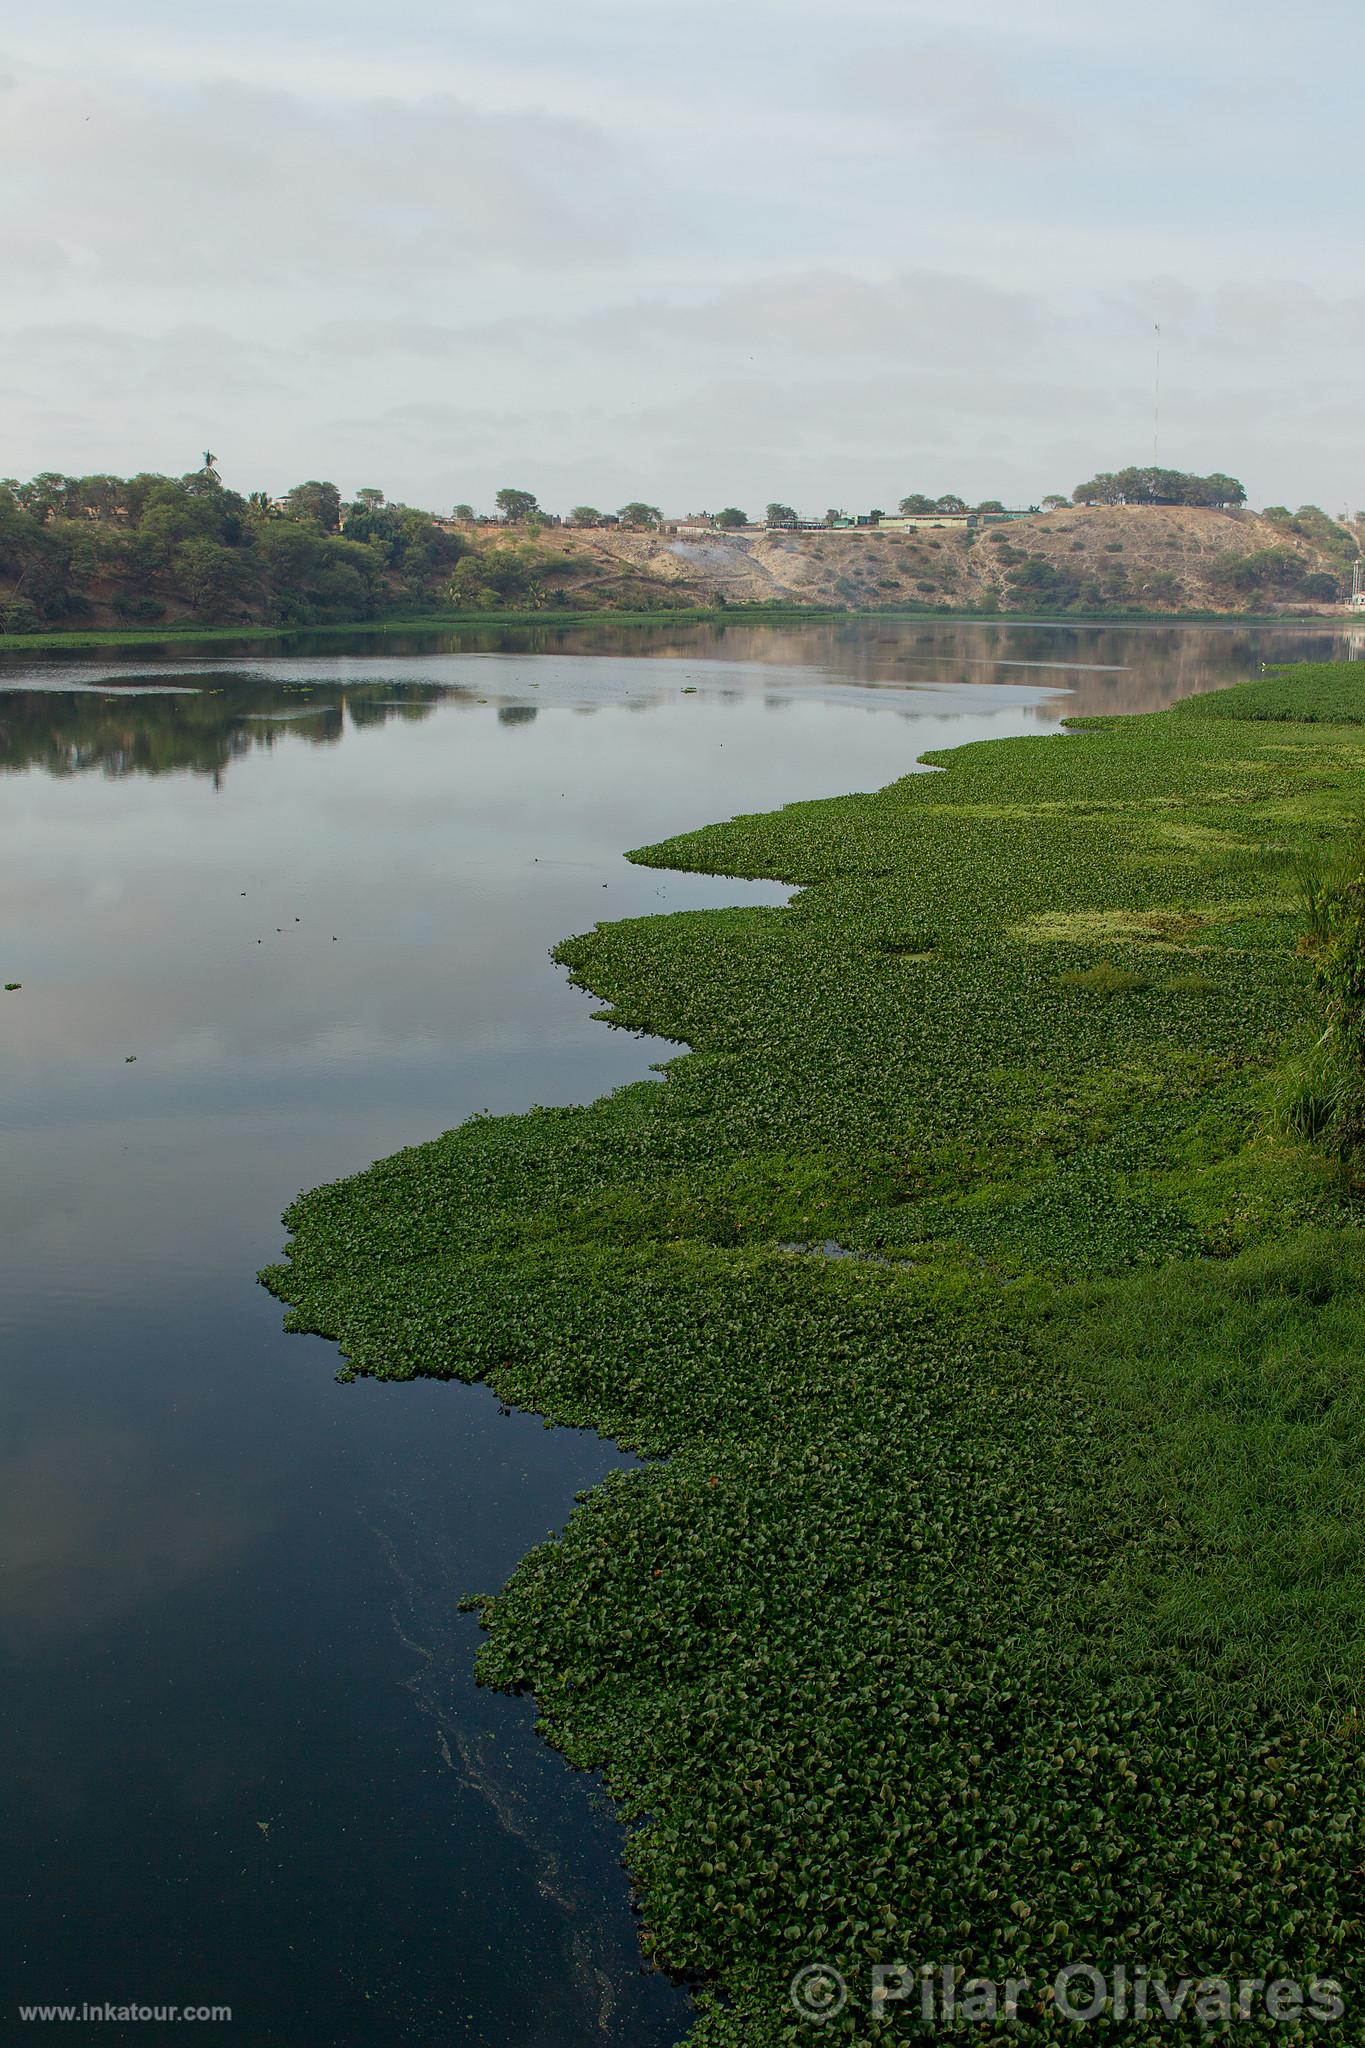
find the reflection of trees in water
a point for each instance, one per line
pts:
(199, 730)
(1154, 664)
(203, 726)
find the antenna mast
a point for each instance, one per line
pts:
(1156, 404)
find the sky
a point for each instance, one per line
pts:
(823, 251)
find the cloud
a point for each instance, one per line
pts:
(822, 315)
(118, 186)
(619, 254)
(966, 99)
(106, 363)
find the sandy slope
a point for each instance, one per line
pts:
(1132, 557)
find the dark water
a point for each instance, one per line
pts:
(274, 916)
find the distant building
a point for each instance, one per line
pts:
(911, 522)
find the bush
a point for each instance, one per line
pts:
(19, 615)
(138, 607)
(1267, 572)
(1322, 1095)
(1339, 967)
(1039, 584)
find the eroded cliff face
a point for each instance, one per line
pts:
(1098, 558)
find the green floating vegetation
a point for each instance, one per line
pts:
(994, 1598)
(1106, 979)
(1314, 692)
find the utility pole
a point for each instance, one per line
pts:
(1156, 412)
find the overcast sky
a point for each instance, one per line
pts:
(827, 251)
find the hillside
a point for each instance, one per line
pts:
(104, 552)
(1096, 558)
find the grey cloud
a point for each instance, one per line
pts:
(819, 315)
(966, 97)
(784, 250)
(177, 191)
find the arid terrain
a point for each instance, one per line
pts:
(1103, 557)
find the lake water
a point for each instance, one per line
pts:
(275, 915)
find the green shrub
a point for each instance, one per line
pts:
(19, 615)
(1339, 968)
(138, 607)
(1190, 985)
(1105, 980)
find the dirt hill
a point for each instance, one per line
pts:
(1100, 558)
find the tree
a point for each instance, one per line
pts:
(368, 495)
(516, 506)
(731, 516)
(1145, 485)
(96, 497)
(990, 505)
(1225, 490)
(208, 573)
(45, 496)
(337, 592)
(950, 502)
(834, 515)
(465, 514)
(585, 515)
(876, 515)
(638, 514)
(486, 580)
(779, 515)
(1055, 502)
(916, 503)
(315, 500)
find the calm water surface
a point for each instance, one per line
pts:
(274, 916)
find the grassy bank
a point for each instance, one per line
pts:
(133, 637)
(425, 622)
(997, 1600)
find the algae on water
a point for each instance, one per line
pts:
(997, 1600)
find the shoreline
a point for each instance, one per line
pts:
(992, 1583)
(134, 637)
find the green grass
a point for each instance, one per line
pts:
(1311, 692)
(434, 622)
(736, 613)
(995, 1596)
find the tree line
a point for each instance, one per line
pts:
(149, 548)
(1152, 486)
(153, 547)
